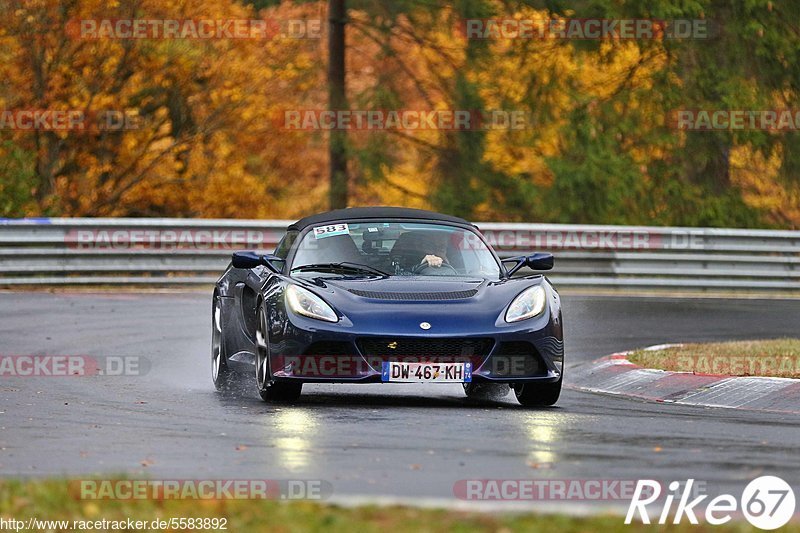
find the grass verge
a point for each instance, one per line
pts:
(773, 358)
(51, 500)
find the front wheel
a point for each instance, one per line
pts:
(220, 373)
(268, 389)
(538, 394)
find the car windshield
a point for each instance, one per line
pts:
(397, 249)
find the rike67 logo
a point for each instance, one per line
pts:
(767, 502)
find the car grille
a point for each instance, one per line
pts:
(416, 296)
(393, 347)
(330, 348)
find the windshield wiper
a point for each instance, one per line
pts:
(352, 267)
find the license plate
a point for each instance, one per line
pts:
(427, 372)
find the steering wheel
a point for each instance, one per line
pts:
(425, 269)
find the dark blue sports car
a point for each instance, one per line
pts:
(385, 294)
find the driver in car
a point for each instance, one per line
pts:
(435, 253)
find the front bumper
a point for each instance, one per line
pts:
(315, 352)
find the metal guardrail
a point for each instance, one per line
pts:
(162, 252)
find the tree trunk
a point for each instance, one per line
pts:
(337, 100)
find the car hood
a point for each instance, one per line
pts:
(465, 304)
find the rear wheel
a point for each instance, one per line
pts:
(220, 372)
(538, 394)
(486, 391)
(268, 389)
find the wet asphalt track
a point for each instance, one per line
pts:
(375, 440)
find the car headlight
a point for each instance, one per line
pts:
(306, 303)
(530, 303)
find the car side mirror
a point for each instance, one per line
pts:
(540, 261)
(537, 261)
(248, 260)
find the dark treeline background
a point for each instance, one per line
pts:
(601, 148)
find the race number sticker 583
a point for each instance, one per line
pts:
(321, 232)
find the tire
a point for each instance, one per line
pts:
(269, 390)
(538, 394)
(221, 374)
(486, 391)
